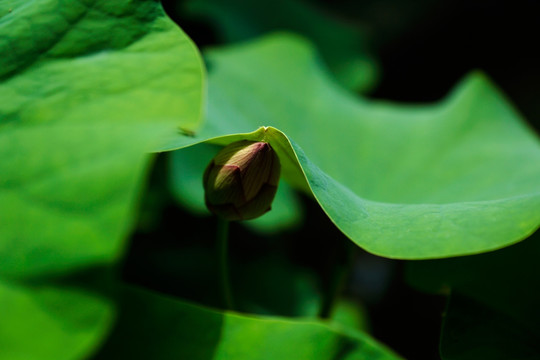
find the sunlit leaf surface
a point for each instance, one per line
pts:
(402, 181)
(87, 89)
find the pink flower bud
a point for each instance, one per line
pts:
(241, 180)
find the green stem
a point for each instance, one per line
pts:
(341, 271)
(222, 248)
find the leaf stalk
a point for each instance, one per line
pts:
(223, 261)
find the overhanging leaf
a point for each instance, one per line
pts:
(154, 326)
(413, 182)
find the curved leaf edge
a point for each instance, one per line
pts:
(231, 315)
(302, 174)
(296, 163)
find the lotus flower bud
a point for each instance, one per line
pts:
(241, 180)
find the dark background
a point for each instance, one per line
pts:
(424, 48)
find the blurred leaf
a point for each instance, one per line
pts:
(50, 321)
(272, 285)
(493, 309)
(501, 278)
(88, 88)
(412, 182)
(343, 46)
(261, 284)
(152, 326)
(185, 175)
(351, 315)
(474, 331)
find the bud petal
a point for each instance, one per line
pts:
(241, 181)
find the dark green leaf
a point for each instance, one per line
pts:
(493, 310)
(51, 320)
(152, 326)
(475, 331)
(343, 46)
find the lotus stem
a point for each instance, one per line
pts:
(340, 275)
(223, 260)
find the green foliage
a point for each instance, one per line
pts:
(88, 89)
(51, 320)
(78, 120)
(150, 326)
(344, 47)
(411, 182)
(473, 330)
(493, 308)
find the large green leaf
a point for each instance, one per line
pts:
(493, 308)
(343, 46)
(87, 89)
(402, 181)
(152, 326)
